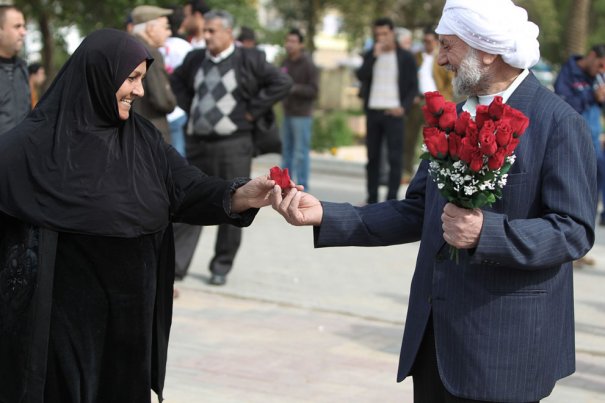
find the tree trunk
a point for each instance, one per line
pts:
(48, 44)
(577, 27)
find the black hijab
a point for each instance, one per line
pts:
(72, 165)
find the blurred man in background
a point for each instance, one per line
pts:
(15, 98)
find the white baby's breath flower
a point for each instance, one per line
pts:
(440, 186)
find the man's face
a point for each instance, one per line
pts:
(39, 77)
(471, 76)
(293, 45)
(12, 33)
(193, 23)
(595, 65)
(430, 42)
(218, 38)
(384, 35)
(158, 31)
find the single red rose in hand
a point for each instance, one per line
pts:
(497, 160)
(518, 122)
(435, 102)
(430, 118)
(281, 177)
(462, 123)
(482, 115)
(447, 121)
(496, 108)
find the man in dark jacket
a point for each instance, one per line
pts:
(388, 87)
(298, 108)
(15, 101)
(581, 83)
(225, 89)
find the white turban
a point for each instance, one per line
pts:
(497, 27)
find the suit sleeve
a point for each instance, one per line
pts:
(565, 230)
(389, 223)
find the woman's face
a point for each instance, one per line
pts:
(131, 89)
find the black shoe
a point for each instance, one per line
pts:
(217, 279)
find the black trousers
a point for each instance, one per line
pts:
(381, 127)
(428, 387)
(226, 158)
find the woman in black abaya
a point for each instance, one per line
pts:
(88, 191)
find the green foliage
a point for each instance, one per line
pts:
(330, 130)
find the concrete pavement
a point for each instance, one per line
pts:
(297, 324)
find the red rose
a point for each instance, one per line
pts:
(281, 177)
(510, 148)
(482, 115)
(428, 132)
(472, 131)
(487, 138)
(462, 123)
(447, 121)
(504, 133)
(476, 164)
(518, 122)
(435, 102)
(429, 117)
(496, 108)
(497, 160)
(468, 147)
(454, 143)
(437, 144)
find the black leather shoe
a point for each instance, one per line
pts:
(217, 279)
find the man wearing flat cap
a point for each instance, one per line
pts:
(151, 28)
(498, 324)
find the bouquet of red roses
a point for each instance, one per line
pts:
(470, 159)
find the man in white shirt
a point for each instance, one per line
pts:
(388, 87)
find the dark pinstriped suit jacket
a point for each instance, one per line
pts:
(503, 317)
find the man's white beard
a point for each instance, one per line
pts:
(470, 78)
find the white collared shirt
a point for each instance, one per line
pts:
(221, 56)
(471, 103)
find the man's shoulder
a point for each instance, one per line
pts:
(543, 99)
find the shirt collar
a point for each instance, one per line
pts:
(221, 56)
(471, 103)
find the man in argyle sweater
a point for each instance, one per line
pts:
(225, 89)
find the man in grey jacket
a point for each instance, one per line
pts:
(15, 102)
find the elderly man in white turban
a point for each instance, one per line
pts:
(497, 325)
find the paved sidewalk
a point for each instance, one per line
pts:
(297, 324)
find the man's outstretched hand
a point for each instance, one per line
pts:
(297, 207)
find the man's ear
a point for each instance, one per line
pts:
(488, 58)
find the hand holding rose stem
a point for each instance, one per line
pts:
(288, 199)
